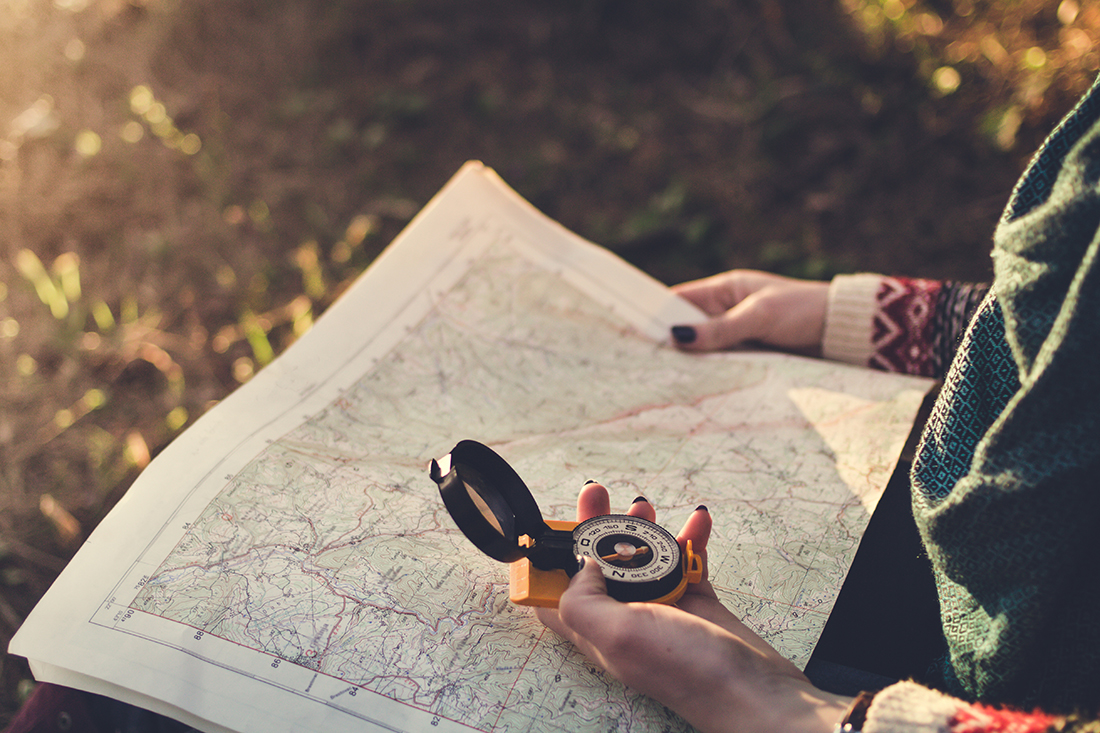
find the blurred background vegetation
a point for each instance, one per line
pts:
(185, 185)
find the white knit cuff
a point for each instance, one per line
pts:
(849, 319)
(907, 707)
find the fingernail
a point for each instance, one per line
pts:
(640, 498)
(580, 562)
(684, 334)
(702, 508)
(590, 481)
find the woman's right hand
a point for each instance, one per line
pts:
(752, 306)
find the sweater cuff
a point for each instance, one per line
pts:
(907, 707)
(849, 319)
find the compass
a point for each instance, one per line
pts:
(495, 510)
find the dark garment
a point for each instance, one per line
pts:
(1006, 482)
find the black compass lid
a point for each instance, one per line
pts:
(488, 500)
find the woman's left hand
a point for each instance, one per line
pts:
(695, 657)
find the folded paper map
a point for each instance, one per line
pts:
(287, 565)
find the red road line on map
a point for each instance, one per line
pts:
(522, 667)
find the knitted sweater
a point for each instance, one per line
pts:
(1004, 482)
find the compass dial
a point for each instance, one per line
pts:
(640, 559)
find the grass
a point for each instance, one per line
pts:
(186, 185)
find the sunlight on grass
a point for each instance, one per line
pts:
(88, 143)
(75, 50)
(313, 280)
(176, 419)
(144, 104)
(1067, 11)
(243, 369)
(73, 6)
(1035, 58)
(946, 79)
(960, 44)
(64, 523)
(104, 319)
(132, 132)
(48, 290)
(26, 365)
(187, 187)
(137, 450)
(255, 331)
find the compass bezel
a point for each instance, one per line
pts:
(662, 575)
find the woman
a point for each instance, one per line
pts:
(1005, 485)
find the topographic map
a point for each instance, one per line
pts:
(324, 564)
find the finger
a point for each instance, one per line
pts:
(642, 509)
(771, 309)
(697, 529)
(746, 321)
(592, 501)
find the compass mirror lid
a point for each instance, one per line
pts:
(487, 500)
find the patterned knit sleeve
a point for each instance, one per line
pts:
(898, 324)
(907, 707)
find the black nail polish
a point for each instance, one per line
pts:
(702, 508)
(684, 334)
(580, 562)
(640, 498)
(590, 481)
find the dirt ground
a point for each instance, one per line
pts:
(186, 184)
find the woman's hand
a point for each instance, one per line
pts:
(746, 305)
(696, 657)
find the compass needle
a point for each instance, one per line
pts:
(625, 551)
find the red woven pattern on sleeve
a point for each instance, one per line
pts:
(901, 335)
(979, 718)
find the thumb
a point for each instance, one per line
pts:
(588, 582)
(585, 605)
